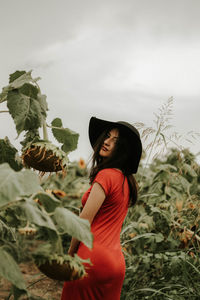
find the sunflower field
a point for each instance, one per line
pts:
(40, 199)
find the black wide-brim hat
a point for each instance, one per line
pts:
(98, 126)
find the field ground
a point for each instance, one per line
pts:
(39, 284)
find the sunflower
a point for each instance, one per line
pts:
(44, 157)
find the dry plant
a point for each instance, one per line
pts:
(156, 140)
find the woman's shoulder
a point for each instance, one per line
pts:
(110, 173)
(110, 179)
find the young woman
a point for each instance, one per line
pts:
(117, 152)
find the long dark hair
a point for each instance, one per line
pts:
(119, 159)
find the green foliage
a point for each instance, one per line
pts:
(161, 233)
(74, 184)
(67, 137)
(31, 218)
(9, 269)
(37, 216)
(49, 202)
(67, 222)
(28, 108)
(14, 184)
(160, 237)
(17, 80)
(25, 103)
(9, 154)
(16, 75)
(31, 136)
(25, 108)
(31, 211)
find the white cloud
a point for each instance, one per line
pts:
(113, 59)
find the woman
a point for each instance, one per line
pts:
(117, 152)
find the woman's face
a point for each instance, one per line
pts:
(109, 143)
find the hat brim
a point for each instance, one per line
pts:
(98, 126)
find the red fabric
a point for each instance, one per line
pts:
(106, 274)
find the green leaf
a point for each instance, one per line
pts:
(43, 250)
(67, 137)
(48, 201)
(188, 169)
(166, 167)
(30, 136)
(25, 108)
(3, 95)
(172, 192)
(14, 184)
(183, 183)
(36, 216)
(9, 154)
(16, 80)
(10, 270)
(20, 80)
(57, 123)
(6, 232)
(155, 292)
(15, 75)
(69, 223)
(139, 236)
(159, 237)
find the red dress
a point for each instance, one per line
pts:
(106, 274)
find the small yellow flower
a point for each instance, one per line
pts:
(81, 163)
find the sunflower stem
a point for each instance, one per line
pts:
(45, 134)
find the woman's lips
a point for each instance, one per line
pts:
(104, 149)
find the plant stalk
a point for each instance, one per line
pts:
(157, 133)
(45, 133)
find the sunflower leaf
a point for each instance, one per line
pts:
(9, 154)
(67, 137)
(70, 223)
(25, 108)
(16, 80)
(14, 184)
(10, 270)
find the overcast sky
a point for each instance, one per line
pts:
(116, 60)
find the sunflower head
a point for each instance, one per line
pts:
(44, 157)
(65, 268)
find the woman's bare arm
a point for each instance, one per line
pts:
(94, 202)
